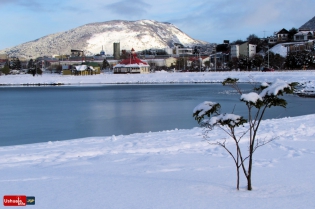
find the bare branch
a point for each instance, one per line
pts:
(260, 143)
(233, 108)
(223, 144)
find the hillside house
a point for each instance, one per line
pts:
(304, 36)
(280, 36)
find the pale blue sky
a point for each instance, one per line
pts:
(207, 20)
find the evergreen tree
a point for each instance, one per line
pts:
(275, 60)
(257, 60)
(15, 64)
(105, 64)
(5, 70)
(18, 64)
(292, 32)
(180, 62)
(30, 64)
(253, 39)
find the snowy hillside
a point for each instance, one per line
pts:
(142, 34)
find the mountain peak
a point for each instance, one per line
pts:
(142, 34)
(309, 25)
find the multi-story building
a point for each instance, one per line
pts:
(116, 51)
(245, 49)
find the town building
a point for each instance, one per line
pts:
(304, 35)
(116, 51)
(280, 36)
(167, 62)
(132, 65)
(243, 50)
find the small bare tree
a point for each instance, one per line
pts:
(257, 102)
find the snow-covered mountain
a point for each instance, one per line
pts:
(142, 34)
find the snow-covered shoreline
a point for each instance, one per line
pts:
(155, 78)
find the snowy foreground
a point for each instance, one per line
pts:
(167, 169)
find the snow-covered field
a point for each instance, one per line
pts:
(167, 169)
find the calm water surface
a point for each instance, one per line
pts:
(41, 114)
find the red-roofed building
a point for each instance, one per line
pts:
(132, 65)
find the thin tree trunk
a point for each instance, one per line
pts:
(249, 183)
(249, 174)
(238, 179)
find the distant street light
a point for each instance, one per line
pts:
(268, 56)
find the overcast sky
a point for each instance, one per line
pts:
(207, 20)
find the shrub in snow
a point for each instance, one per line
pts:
(208, 115)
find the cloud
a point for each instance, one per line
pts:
(206, 20)
(127, 8)
(30, 4)
(41, 6)
(3, 2)
(230, 19)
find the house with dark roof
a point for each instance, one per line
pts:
(280, 36)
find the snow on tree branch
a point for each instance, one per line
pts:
(230, 120)
(251, 97)
(275, 89)
(206, 108)
(264, 84)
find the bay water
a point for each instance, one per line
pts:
(51, 113)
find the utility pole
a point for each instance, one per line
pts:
(268, 56)
(264, 33)
(215, 58)
(200, 61)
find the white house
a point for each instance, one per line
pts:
(304, 35)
